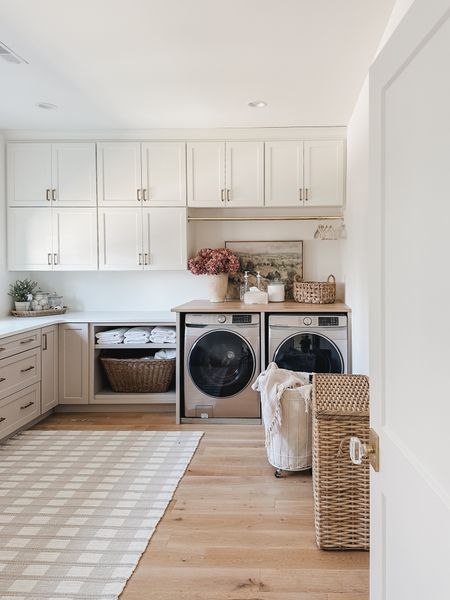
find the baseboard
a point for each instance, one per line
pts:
(115, 408)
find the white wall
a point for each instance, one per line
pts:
(356, 250)
(163, 290)
(5, 278)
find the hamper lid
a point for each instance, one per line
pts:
(341, 395)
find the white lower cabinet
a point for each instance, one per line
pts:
(134, 239)
(47, 239)
(73, 363)
(49, 369)
(164, 235)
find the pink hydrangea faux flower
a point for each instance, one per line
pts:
(212, 261)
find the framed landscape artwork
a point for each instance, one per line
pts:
(274, 260)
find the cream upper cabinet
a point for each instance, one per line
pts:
(49, 368)
(120, 239)
(164, 174)
(119, 174)
(284, 173)
(43, 174)
(75, 239)
(206, 174)
(29, 174)
(244, 174)
(30, 239)
(74, 181)
(164, 234)
(324, 173)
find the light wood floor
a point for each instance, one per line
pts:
(233, 531)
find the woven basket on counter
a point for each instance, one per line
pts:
(341, 488)
(139, 375)
(315, 292)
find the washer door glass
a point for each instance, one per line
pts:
(221, 363)
(309, 352)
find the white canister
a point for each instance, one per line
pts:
(275, 289)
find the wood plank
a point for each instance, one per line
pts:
(204, 306)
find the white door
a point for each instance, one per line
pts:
(164, 174)
(244, 174)
(119, 174)
(165, 238)
(49, 368)
(29, 174)
(324, 173)
(284, 173)
(75, 239)
(74, 180)
(410, 290)
(206, 173)
(120, 239)
(30, 245)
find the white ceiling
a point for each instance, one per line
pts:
(186, 63)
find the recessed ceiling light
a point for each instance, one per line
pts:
(46, 105)
(257, 104)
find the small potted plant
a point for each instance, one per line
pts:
(22, 293)
(216, 263)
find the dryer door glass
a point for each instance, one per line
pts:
(221, 363)
(309, 352)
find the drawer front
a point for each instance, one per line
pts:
(19, 409)
(19, 343)
(19, 371)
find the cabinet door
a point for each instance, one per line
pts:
(74, 179)
(284, 173)
(73, 363)
(29, 174)
(165, 238)
(324, 173)
(119, 174)
(30, 239)
(206, 173)
(245, 174)
(49, 380)
(75, 239)
(120, 239)
(164, 174)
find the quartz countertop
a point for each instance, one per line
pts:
(204, 306)
(13, 325)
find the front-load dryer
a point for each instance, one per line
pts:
(310, 343)
(222, 361)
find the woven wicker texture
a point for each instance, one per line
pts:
(341, 489)
(134, 375)
(39, 313)
(315, 292)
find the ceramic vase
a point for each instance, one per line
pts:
(21, 306)
(217, 287)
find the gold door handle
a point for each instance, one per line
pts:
(26, 405)
(30, 368)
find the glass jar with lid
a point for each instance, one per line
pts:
(275, 289)
(40, 300)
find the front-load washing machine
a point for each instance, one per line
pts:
(222, 360)
(314, 343)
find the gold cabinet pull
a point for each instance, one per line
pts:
(228, 195)
(146, 259)
(139, 194)
(300, 194)
(2, 419)
(306, 194)
(139, 259)
(2, 379)
(49, 258)
(44, 339)
(54, 195)
(30, 368)
(145, 195)
(222, 195)
(47, 195)
(26, 405)
(27, 341)
(55, 259)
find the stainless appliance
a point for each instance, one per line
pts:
(222, 360)
(311, 343)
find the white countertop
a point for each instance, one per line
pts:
(12, 325)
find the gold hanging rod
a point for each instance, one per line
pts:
(271, 218)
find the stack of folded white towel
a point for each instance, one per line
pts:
(163, 335)
(138, 335)
(112, 336)
(165, 354)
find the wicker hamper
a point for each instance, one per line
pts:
(341, 489)
(139, 375)
(315, 292)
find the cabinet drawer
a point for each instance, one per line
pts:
(19, 371)
(18, 343)
(19, 409)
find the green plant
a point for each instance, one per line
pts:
(21, 289)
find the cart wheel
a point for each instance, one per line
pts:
(278, 473)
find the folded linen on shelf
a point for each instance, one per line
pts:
(111, 336)
(163, 335)
(165, 354)
(138, 335)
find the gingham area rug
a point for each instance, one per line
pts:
(77, 508)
